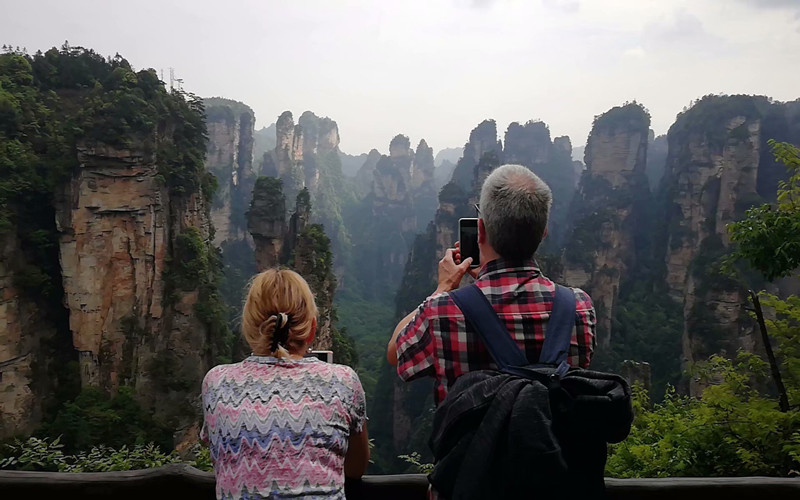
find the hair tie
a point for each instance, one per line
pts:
(281, 334)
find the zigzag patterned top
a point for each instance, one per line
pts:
(279, 428)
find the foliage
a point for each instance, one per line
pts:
(191, 263)
(415, 460)
(709, 116)
(732, 430)
(585, 238)
(344, 347)
(238, 267)
(769, 236)
(94, 419)
(202, 458)
(222, 109)
(36, 454)
(365, 320)
(629, 116)
(53, 102)
(647, 327)
(783, 324)
(197, 265)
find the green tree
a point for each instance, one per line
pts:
(769, 236)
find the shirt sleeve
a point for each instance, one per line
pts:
(416, 346)
(358, 411)
(585, 330)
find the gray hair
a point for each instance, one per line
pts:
(514, 207)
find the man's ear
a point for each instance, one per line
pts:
(481, 232)
(544, 235)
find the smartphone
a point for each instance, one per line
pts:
(326, 356)
(468, 240)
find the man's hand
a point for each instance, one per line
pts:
(457, 257)
(450, 273)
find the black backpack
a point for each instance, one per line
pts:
(526, 430)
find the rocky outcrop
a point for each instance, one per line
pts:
(600, 249)
(718, 166)
(307, 155)
(229, 157)
(266, 221)
(366, 174)
(301, 151)
(288, 154)
(636, 373)
(125, 240)
(295, 243)
(482, 140)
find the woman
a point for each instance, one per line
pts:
(279, 424)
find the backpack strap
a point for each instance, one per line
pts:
(483, 318)
(559, 329)
(494, 334)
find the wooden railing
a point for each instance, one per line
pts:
(182, 481)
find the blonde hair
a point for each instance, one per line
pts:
(271, 293)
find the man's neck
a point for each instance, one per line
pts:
(488, 254)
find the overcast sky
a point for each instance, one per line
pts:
(434, 69)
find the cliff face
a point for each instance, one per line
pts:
(121, 235)
(295, 243)
(24, 360)
(530, 145)
(107, 273)
(600, 249)
(229, 157)
(712, 172)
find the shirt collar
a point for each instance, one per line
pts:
(272, 360)
(502, 266)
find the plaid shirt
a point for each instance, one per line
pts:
(438, 342)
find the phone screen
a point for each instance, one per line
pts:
(468, 240)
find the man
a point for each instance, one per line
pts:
(436, 341)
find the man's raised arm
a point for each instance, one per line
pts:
(450, 275)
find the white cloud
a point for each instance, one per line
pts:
(637, 52)
(435, 69)
(568, 6)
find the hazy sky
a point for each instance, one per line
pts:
(434, 69)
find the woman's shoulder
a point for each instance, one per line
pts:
(345, 373)
(219, 372)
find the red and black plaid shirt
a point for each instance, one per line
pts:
(438, 342)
